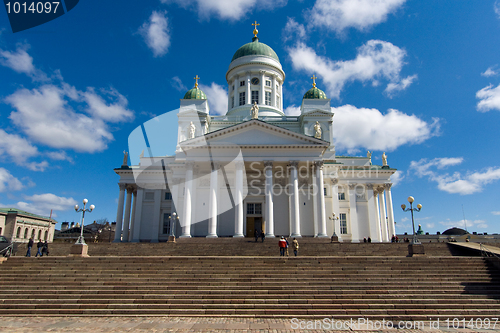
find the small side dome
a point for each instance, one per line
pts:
(315, 93)
(196, 92)
(255, 48)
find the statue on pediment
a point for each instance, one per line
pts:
(317, 130)
(255, 111)
(384, 159)
(192, 131)
(125, 158)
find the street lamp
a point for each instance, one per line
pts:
(333, 218)
(411, 209)
(173, 218)
(81, 240)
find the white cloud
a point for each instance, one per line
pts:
(42, 204)
(156, 33)
(463, 224)
(45, 116)
(226, 9)
(337, 15)
(489, 98)
(18, 148)
(217, 97)
(177, 84)
(395, 87)
(496, 7)
(470, 183)
(495, 213)
(397, 177)
(8, 182)
(21, 62)
(40, 166)
(355, 128)
(113, 110)
(293, 31)
(292, 110)
(375, 60)
(491, 71)
(59, 156)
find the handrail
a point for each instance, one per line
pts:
(487, 253)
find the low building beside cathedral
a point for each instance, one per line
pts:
(251, 170)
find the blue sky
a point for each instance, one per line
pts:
(419, 80)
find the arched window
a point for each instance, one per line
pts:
(46, 235)
(33, 234)
(39, 234)
(18, 233)
(26, 233)
(0, 231)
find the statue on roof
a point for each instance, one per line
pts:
(125, 158)
(384, 159)
(192, 131)
(255, 111)
(317, 130)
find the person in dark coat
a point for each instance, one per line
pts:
(45, 248)
(39, 245)
(30, 245)
(262, 235)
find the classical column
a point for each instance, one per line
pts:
(186, 219)
(175, 200)
(262, 100)
(296, 214)
(373, 213)
(132, 218)
(214, 185)
(249, 90)
(155, 225)
(126, 219)
(314, 183)
(353, 214)
(119, 213)
(390, 211)
(321, 198)
(376, 194)
(383, 219)
(136, 231)
(268, 167)
(238, 228)
(281, 98)
(236, 95)
(273, 95)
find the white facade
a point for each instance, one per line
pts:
(233, 174)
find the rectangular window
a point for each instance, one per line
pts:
(149, 196)
(168, 196)
(254, 208)
(341, 196)
(250, 208)
(268, 98)
(268, 83)
(278, 101)
(258, 208)
(232, 88)
(242, 98)
(255, 96)
(232, 103)
(324, 191)
(343, 223)
(242, 83)
(166, 224)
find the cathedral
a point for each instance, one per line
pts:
(252, 170)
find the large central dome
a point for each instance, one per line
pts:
(255, 48)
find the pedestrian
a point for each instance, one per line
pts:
(286, 248)
(39, 245)
(45, 248)
(30, 245)
(364, 240)
(282, 244)
(295, 245)
(256, 234)
(262, 235)
(369, 240)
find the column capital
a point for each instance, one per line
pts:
(189, 164)
(319, 164)
(131, 188)
(294, 164)
(388, 186)
(216, 165)
(370, 186)
(239, 164)
(334, 181)
(122, 186)
(352, 186)
(268, 164)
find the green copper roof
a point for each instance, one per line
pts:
(195, 93)
(255, 48)
(315, 93)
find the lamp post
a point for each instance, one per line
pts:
(411, 209)
(81, 240)
(173, 218)
(333, 218)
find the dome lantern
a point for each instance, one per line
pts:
(314, 92)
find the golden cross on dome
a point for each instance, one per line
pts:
(314, 80)
(255, 31)
(196, 78)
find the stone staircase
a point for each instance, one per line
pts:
(201, 246)
(376, 287)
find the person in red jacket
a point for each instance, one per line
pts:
(282, 244)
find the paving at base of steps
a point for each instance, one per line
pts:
(229, 324)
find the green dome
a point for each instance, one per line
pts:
(255, 48)
(315, 93)
(195, 93)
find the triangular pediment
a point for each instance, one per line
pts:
(318, 112)
(259, 133)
